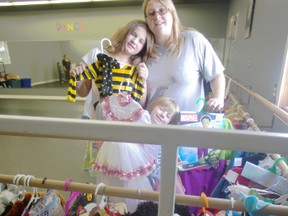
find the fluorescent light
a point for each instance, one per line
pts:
(21, 3)
(69, 1)
(29, 3)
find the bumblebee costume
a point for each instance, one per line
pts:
(109, 78)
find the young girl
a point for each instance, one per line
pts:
(164, 110)
(122, 60)
(121, 87)
(129, 165)
(130, 45)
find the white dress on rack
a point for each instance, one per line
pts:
(122, 164)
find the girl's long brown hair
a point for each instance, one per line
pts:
(119, 37)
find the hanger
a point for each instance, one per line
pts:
(21, 193)
(102, 41)
(103, 201)
(205, 200)
(235, 191)
(72, 196)
(202, 111)
(283, 200)
(35, 195)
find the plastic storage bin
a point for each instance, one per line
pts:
(26, 83)
(14, 83)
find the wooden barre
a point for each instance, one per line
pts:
(282, 115)
(37, 97)
(187, 200)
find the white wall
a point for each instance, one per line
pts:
(23, 29)
(102, 22)
(257, 62)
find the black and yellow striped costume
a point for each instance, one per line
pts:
(109, 78)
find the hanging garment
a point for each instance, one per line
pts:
(124, 160)
(124, 164)
(49, 205)
(20, 205)
(197, 181)
(108, 77)
(150, 208)
(92, 149)
(154, 178)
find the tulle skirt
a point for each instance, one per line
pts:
(122, 164)
(125, 160)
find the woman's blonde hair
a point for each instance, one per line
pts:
(169, 104)
(175, 40)
(119, 37)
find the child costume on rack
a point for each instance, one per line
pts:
(124, 164)
(120, 90)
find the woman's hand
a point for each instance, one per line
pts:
(143, 74)
(214, 105)
(78, 70)
(82, 87)
(216, 102)
(143, 71)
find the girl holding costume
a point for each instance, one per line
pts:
(130, 45)
(122, 60)
(120, 76)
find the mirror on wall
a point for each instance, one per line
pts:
(37, 60)
(4, 53)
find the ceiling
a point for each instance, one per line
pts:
(26, 5)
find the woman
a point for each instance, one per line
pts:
(186, 59)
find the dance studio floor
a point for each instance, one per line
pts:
(56, 84)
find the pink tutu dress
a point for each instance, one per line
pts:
(122, 164)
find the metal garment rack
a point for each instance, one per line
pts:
(168, 136)
(135, 194)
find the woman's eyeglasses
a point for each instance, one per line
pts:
(162, 11)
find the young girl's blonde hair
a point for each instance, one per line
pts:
(169, 104)
(119, 37)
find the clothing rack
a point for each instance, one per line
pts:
(187, 200)
(279, 113)
(36, 97)
(168, 136)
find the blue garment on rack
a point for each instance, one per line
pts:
(252, 204)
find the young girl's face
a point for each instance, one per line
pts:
(161, 115)
(135, 41)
